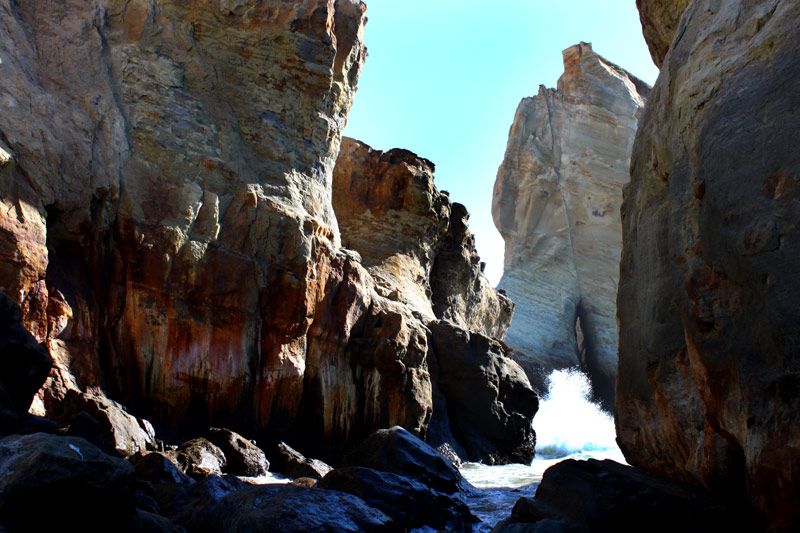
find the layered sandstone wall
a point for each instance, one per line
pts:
(707, 390)
(556, 203)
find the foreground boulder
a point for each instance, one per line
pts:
(406, 501)
(290, 508)
(397, 451)
(288, 462)
(243, 457)
(489, 401)
(708, 369)
(76, 482)
(556, 203)
(587, 496)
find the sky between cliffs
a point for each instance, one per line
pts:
(444, 77)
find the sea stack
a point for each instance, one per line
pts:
(556, 203)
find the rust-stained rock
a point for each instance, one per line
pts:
(556, 204)
(168, 230)
(707, 390)
(166, 224)
(660, 20)
(412, 239)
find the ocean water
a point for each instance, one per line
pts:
(568, 426)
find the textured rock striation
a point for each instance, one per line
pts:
(417, 247)
(660, 20)
(150, 148)
(709, 372)
(168, 230)
(413, 240)
(556, 203)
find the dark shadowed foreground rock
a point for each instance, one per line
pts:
(709, 373)
(489, 400)
(70, 479)
(243, 457)
(23, 363)
(607, 496)
(406, 501)
(397, 451)
(157, 468)
(193, 506)
(288, 508)
(288, 462)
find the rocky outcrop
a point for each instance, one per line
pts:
(708, 372)
(417, 247)
(168, 229)
(556, 203)
(413, 240)
(585, 496)
(660, 20)
(147, 149)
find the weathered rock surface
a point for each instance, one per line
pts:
(147, 150)
(24, 364)
(296, 509)
(586, 496)
(413, 241)
(660, 20)
(290, 463)
(417, 247)
(708, 372)
(199, 458)
(406, 501)
(488, 399)
(397, 451)
(556, 203)
(168, 228)
(85, 488)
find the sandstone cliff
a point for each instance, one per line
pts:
(556, 203)
(167, 224)
(708, 371)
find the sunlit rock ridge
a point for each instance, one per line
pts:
(556, 203)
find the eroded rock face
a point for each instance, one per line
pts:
(659, 20)
(166, 221)
(708, 373)
(412, 239)
(416, 246)
(556, 203)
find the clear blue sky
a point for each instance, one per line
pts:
(443, 79)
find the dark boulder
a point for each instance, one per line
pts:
(398, 451)
(607, 496)
(70, 480)
(288, 462)
(154, 523)
(289, 508)
(489, 400)
(24, 364)
(243, 457)
(406, 501)
(157, 469)
(193, 506)
(199, 458)
(107, 424)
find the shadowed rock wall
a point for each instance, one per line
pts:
(707, 390)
